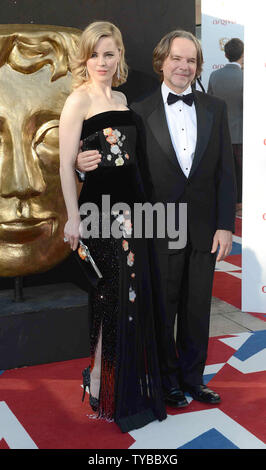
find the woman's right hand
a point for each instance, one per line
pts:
(72, 232)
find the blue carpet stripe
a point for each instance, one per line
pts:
(211, 439)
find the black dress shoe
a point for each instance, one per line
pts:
(204, 394)
(176, 398)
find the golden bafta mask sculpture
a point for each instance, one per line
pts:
(34, 83)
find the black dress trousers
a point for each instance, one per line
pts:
(187, 278)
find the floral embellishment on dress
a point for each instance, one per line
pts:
(111, 139)
(125, 224)
(119, 217)
(119, 161)
(117, 133)
(127, 228)
(125, 245)
(115, 149)
(116, 141)
(108, 131)
(133, 275)
(132, 294)
(115, 213)
(130, 258)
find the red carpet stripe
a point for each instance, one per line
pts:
(3, 444)
(238, 226)
(236, 260)
(227, 288)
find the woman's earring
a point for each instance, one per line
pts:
(118, 72)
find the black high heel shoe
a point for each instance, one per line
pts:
(94, 402)
(86, 381)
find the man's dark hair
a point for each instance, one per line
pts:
(234, 49)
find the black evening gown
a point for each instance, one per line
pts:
(126, 306)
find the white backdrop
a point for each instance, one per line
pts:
(221, 20)
(254, 177)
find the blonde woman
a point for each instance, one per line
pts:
(123, 375)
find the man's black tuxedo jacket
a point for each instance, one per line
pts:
(209, 191)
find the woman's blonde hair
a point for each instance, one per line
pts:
(86, 46)
(162, 51)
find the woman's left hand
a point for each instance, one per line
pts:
(72, 232)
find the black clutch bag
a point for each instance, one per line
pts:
(92, 142)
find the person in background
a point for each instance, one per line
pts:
(227, 83)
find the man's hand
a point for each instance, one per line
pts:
(223, 240)
(88, 160)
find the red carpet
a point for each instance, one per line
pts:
(46, 401)
(227, 288)
(40, 406)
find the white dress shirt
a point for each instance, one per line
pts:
(182, 125)
(234, 63)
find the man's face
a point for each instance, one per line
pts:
(179, 68)
(32, 209)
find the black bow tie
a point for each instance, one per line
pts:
(188, 99)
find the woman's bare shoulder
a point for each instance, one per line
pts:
(79, 96)
(78, 101)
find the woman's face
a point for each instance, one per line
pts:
(102, 64)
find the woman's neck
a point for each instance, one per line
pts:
(101, 89)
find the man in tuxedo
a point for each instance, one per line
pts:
(189, 158)
(227, 83)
